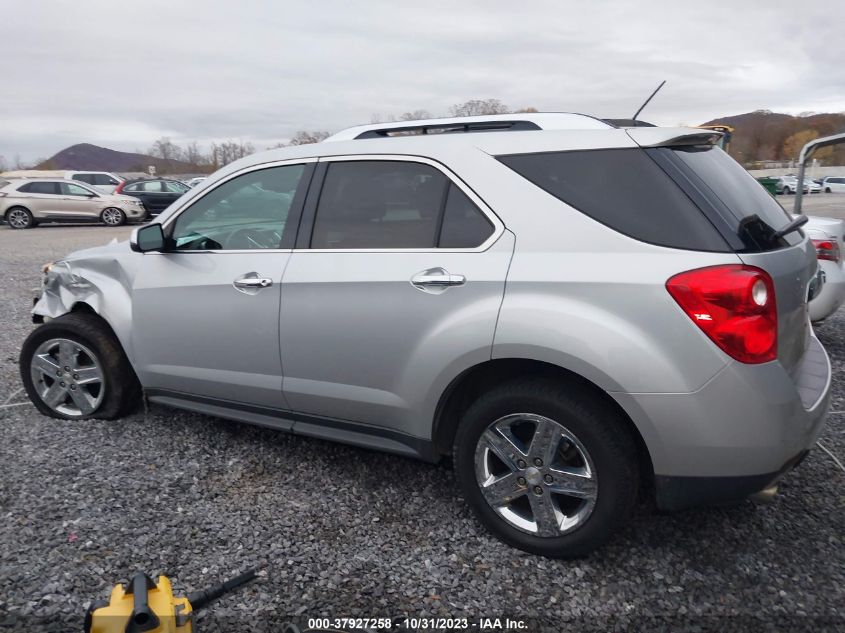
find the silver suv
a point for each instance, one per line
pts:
(574, 310)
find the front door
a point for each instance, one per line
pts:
(396, 289)
(206, 312)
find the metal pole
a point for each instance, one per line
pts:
(799, 188)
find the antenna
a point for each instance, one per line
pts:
(662, 83)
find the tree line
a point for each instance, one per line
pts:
(192, 156)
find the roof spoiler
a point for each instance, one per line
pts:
(673, 137)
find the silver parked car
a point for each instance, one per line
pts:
(25, 203)
(568, 307)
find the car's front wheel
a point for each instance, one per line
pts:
(787, 191)
(547, 468)
(72, 367)
(113, 217)
(827, 189)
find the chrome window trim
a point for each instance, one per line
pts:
(498, 225)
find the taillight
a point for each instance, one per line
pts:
(734, 305)
(827, 249)
(119, 187)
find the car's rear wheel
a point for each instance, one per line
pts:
(547, 468)
(72, 367)
(19, 218)
(113, 216)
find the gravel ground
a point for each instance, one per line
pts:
(341, 531)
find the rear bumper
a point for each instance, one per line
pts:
(742, 429)
(677, 493)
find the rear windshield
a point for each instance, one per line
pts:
(750, 213)
(624, 189)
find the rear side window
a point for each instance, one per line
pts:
(379, 204)
(625, 190)
(91, 179)
(464, 225)
(51, 188)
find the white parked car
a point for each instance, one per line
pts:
(193, 182)
(833, 184)
(827, 236)
(103, 181)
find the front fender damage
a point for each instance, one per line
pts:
(103, 282)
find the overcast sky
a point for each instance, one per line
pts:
(121, 74)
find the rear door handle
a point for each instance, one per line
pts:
(436, 280)
(251, 283)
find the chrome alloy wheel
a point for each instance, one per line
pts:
(18, 218)
(536, 474)
(68, 377)
(112, 216)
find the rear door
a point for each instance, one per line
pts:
(44, 197)
(394, 288)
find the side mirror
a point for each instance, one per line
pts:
(146, 238)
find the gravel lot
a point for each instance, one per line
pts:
(342, 531)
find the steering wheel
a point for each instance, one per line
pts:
(244, 239)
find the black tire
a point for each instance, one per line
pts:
(600, 429)
(114, 211)
(786, 191)
(122, 390)
(827, 190)
(21, 212)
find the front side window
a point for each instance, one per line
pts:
(173, 187)
(150, 186)
(247, 212)
(69, 189)
(379, 204)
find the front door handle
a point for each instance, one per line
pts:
(436, 280)
(251, 283)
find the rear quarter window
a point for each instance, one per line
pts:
(625, 190)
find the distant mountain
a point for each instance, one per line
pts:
(85, 156)
(762, 135)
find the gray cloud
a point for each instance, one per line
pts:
(121, 74)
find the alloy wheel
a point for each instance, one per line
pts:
(68, 377)
(113, 217)
(536, 474)
(18, 218)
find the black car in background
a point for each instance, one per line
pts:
(156, 194)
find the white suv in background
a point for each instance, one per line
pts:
(103, 181)
(833, 184)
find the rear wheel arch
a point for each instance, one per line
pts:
(479, 379)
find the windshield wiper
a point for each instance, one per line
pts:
(793, 226)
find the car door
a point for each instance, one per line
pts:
(78, 201)
(43, 198)
(172, 192)
(205, 313)
(393, 289)
(153, 195)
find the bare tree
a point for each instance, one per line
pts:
(230, 151)
(476, 107)
(304, 137)
(3, 166)
(165, 149)
(415, 115)
(193, 154)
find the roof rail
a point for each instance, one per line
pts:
(515, 122)
(450, 128)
